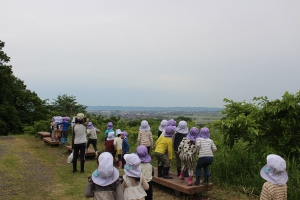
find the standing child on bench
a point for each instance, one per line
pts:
(206, 148)
(65, 129)
(164, 152)
(187, 150)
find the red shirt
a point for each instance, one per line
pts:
(109, 146)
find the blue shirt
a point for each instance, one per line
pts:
(125, 147)
(65, 125)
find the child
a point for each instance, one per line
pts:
(162, 126)
(125, 147)
(206, 149)
(117, 132)
(109, 128)
(65, 129)
(118, 146)
(54, 135)
(181, 132)
(164, 152)
(92, 134)
(187, 151)
(134, 184)
(104, 182)
(274, 172)
(145, 136)
(146, 168)
(171, 122)
(109, 144)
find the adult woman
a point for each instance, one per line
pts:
(79, 141)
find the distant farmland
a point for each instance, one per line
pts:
(202, 118)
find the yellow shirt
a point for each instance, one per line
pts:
(163, 145)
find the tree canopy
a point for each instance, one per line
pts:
(18, 105)
(66, 105)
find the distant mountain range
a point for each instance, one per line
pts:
(137, 108)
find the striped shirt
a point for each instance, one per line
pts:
(206, 147)
(271, 191)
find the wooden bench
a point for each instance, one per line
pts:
(43, 134)
(52, 143)
(88, 153)
(180, 186)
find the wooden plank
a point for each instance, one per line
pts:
(48, 140)
(88, 153)
(44, 134)
(181, 185)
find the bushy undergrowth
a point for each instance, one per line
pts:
(240, 167)
(42, 125)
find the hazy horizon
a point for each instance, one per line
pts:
(154, 53)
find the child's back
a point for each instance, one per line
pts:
(134, 183)
(134, 188)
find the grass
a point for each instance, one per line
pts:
(31, 169)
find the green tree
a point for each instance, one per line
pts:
(18, 105)
(264, 124)
(67, 105)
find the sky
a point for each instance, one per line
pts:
(191, 53)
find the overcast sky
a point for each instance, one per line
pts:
(154, 53)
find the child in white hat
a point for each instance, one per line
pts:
(274, 172)
(134, 184)
(105, 182)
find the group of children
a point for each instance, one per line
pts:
(59, 128)
(186, 143)
(136, 183)
(116, 143)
